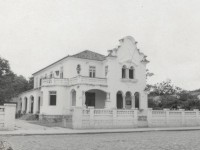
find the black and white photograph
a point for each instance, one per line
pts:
(99, 75)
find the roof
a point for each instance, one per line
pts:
(90, 55)
(83, 55)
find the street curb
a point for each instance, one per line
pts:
(98, 132)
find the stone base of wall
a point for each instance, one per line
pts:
(64, 120)
(51, 118)
(67, 121)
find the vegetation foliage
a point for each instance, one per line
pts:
(166, 95)
(11, 84)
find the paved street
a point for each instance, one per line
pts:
(161, 140)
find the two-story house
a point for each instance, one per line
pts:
(117, 80)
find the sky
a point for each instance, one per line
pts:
(35, 33)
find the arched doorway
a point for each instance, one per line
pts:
(32, 104)
(39, 104)
(137, 100)
(128, 100)
(25, 104)
(119, 100)
(73, 98)
(95, 98)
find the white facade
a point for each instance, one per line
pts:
(90, 79)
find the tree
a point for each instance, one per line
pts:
(11, 84)
(165, 88)
(30, 83)
(4, 67)
(166, 95)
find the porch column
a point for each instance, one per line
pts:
(124, 104)
(107, 102)
(35, 105)
(133, 102)
(83, 98)
(127, 73)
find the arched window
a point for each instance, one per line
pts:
(131, 73)
(128, 100)
(123, 72)
(137, 100)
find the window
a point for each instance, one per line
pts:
(124, 72)
(131, 73)
(40, 81)
(92, 71)
(52, 98)
(61, 72)
(57, 72)
(51, 74)
(106, 70)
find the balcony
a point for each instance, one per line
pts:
(79, 80)
(54, 81)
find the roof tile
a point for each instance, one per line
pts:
(89, 55)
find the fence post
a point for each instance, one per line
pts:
(149, 117)
(10, 110)
(77, 118)
(167, 116)
(136, 117)
(91, 117)
(197, 116)
(182, 116)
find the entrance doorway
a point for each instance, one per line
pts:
(128, 100)
(119, 100)
(137, 100)
(90, 99)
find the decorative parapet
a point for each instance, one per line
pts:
(54, 81)
(79, 80)
(87, 81)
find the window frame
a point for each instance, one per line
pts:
(52, 93)
(131, 72)
(92, 71)
(124, 75)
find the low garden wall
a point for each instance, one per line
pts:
(173, 118)
(7, 116)
(103, 118)
(133, 118)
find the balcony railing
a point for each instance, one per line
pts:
(75, 81)
(54, 81)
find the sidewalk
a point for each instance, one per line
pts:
(25, 128)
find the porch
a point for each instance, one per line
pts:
(101, 99)
(30, 102)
